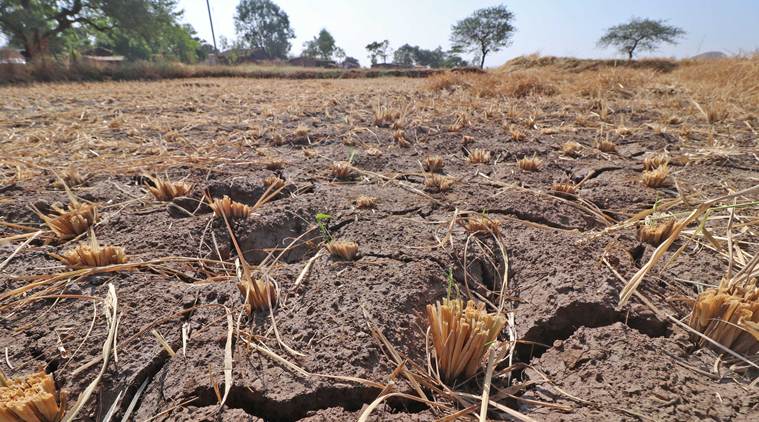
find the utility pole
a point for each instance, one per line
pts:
(213, 35)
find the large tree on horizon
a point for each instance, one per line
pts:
(35, 24)
(640, 34)
(323, 46)
(485, 31)
(262, 25)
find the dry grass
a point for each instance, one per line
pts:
(606, 145)
(651, 162)
(165, 190)
(343, 249)
(70, 178)
(31, 398)
(482, 224)
(93, 255)
(70, 223)
(437, 183)
(230, 209)
(276, 164)
(729, 316)
(366, 202)
(257, 294)
(384, 116)
(657, 177)
(530, 163)
(274, 182)
(516, 134)
(461, 336)
(399, 136)
(342, 170)
(565, 188)
(654, 233)
(571, 149)
(478, 156)
(433, 164)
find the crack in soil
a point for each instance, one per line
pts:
(255, 403)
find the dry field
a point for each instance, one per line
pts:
(273, 245)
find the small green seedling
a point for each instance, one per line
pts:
(322, 220)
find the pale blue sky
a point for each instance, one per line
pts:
(559, 27)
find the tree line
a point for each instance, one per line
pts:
(145, 29)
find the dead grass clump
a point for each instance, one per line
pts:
(461, 336)
(606, 145)
(572, 149)
(433, 164)
(274, 182)
(71, 178)
(437, 183)
(373, 152)
(72, 222)
(93, 255)
(516, 134)
(462, 121)
(275, 164)
(654, 233)
(482, 224)
(165, 190)
(30, 398)
(366, 202)
(530, 163)
(385, 117)
(651, 162)
(343, 249)
(478, 156)
(564, 188)
(657, 177)
(729, 316)
(342, 170)
(301, 132)
(399, 136)
(229, 208)
(443, 81)
(257, 294)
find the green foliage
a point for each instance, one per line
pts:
(452, 285)
(134, 28)
(262, 25)
(322, 220)
(378, 49)
(322, 47)
(486, 30)
(408, 55)
(640, 34)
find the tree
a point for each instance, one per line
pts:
(378, 49)
(35, 25)
(641, 35)
(322, 46)
(412, 55)
(263, 25)
(486, 30)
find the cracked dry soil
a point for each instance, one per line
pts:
(225, 138)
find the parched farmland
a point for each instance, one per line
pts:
(243, 249)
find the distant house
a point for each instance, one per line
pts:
(311, 62)
(350, 63)
(11, 56)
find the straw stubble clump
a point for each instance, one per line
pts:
(344, 249)
(437, 183)
(657, 177)
(366, 202)
(461, 336)
(656, 233)
(257, 294)
(482, 224)
(229, 208)
(433, 164)
(30, 398)
(71, 222)
(165, 190)
(478, 156)
(729, 316)
(93, 255)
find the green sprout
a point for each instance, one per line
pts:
(322, 220)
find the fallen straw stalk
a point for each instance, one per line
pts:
(461, 336)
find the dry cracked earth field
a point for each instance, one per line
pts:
(552, 241)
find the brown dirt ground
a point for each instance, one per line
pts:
(589, 358)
